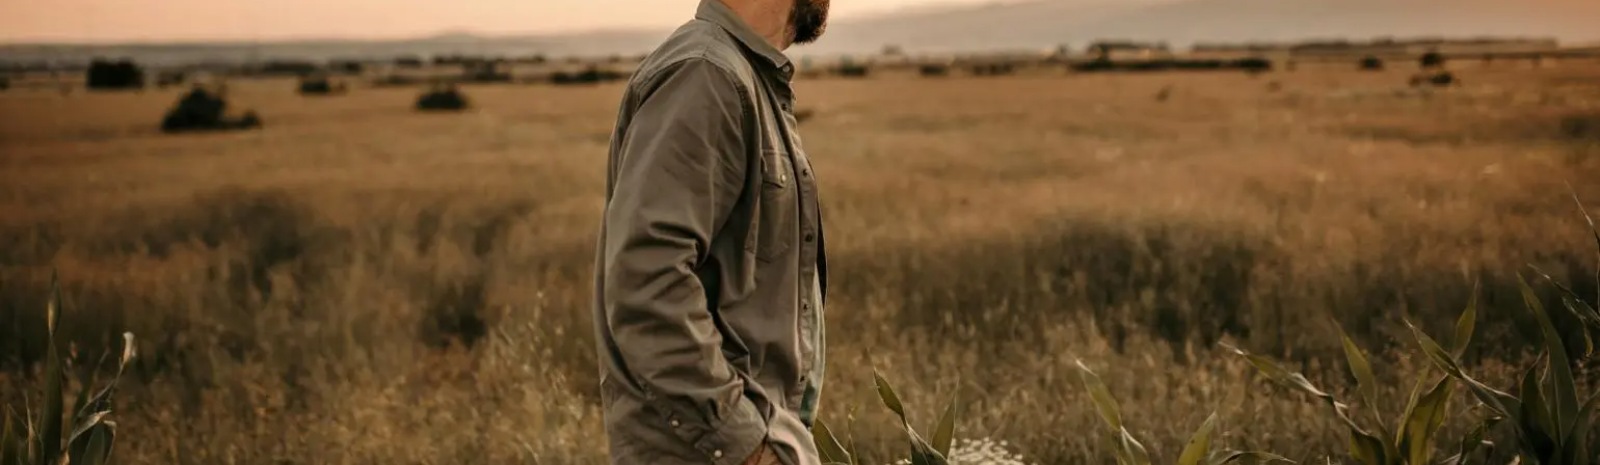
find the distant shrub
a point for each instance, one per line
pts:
(932, 70)
(1371, 63)
(346, 67)
(590, 75)
(169, 78)
(204, 110)
(1253, 65)
(1435, 79)
(1432, 60)
(489, 72)
(408, 62)
(320, 85)
(852, 70)
(88, 433)
(109, 75)
(286, 68)
(994, 69)
(443, 98)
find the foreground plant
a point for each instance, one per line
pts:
(923, 451)
(1552, 422)
(1553, 425)
(1411, 440)
(90, 440)
(1129, 451)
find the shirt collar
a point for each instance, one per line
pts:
(718, 13)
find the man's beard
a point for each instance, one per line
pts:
(808, 20)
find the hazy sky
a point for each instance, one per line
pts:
(150, 20)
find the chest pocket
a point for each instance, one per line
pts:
(778, 226)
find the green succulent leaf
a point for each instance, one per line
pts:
(1199, 446)
(51, 417)
(828, 445)
(1576, 448)
(1564, 404)
(1423, 423)
(886, 393)
(1361, 368)
(1366, 447)
(1500, 402)
(944, 434)
(1129, 450)
(1466, 325)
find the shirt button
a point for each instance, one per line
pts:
(716, 454)
(675, 423)
(810, 237)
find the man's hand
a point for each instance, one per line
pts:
(764, 456)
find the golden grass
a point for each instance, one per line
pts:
(360, 283)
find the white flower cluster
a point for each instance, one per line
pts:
(980, 452)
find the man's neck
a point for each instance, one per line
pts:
(770, 18)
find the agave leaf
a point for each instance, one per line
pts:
(86, 380)
(1133, 451)
(922, 453)
(101, 439)
(1539, 428)
(1366, 382)
(1199, 446)
(944, 434)
(1595, 231)
(1129, 450)
(1424, 422)
(79, 440)
(1367, 448)
(1282, 376)
(1253, 456)
(1581, 309)
(1403, 430)
(50, 418)
(1500, 402)
(1465, 325)
(1472, 442)
(828, 445)
(1104, 403)
(1576, 448)
(32, 438)
(886, 392)
(1564, 405)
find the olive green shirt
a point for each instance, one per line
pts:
(711, 268)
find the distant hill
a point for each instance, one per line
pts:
(1046, 23)
(1033, 25)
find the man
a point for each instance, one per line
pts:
(711, 271)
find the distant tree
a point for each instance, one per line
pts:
(1432, 60)
(1372, 63)
(109, 75)
(203, 110)
(442, 97)
(408, 62)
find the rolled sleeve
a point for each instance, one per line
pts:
(681, 172)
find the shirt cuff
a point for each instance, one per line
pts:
(728, 440)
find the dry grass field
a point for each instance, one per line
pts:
(362, 283)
